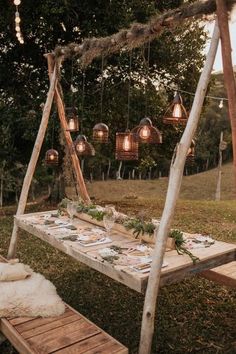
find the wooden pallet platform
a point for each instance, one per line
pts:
(224, 274)
(179, 267)
(70, 333)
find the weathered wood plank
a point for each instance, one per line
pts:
(50, 326)
(85, 345)
(225, 274)
(15, 338)
(107, 348)
(37, 322)
(64, 336)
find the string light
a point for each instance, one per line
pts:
(19, 35)
(221, 99)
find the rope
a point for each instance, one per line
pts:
(129, 89)
(82, 104)
(147, 73)
(102, 88)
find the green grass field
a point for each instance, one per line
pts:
(194, 316)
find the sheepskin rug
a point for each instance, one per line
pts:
(32, 297)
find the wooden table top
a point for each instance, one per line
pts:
(179, 266)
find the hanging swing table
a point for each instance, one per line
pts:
(178, 266)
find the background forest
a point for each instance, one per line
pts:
(175, 62)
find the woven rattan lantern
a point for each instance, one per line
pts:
(72, 119)
(83, 147)
(51, 157)
(147, 133)
(176, 112)
(100, 133)
(126, 146)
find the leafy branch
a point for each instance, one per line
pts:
(139, 227)
(179, 245)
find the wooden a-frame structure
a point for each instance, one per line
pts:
(111, 45)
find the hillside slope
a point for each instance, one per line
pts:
(195, 187)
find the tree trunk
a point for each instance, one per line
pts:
(119, 170)
(229, 78)
(1, 191)
(33, 161)
(176, 174)
(218, 186)
(108, 168)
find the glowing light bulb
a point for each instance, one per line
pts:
(17, 19)
(71, 124)
(51, 157)
(221, 105)
(126, 143)
(100, 133)
(177, 111)
(144, 132)
(17, 28)
(17, 2)
(18, 35)
(80, 147)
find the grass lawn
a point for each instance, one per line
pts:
(194, 316)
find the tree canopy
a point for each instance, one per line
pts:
(176, 59)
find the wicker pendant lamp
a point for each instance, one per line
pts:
(52, 155)
(127, 142)
(83, 147)
(72, 119)
(176, 112)
(145, 131)
(72, 112)
(101, 130)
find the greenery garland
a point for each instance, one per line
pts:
(138, 226)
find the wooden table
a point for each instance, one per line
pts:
(179, 266)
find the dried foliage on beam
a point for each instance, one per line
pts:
(138, 33)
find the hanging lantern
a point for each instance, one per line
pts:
(83, 147)
(176, 112)
(72, 119)
(51, 157)
(126, 146)
(100, 133)
(147, 133)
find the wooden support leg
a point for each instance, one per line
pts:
(33, 161)
(69, 142)
(176, 174)
(229, 79)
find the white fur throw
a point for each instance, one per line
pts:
(31, 297)
(14, 271)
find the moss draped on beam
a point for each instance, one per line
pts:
(138, 33)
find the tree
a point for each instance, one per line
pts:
(24, 80)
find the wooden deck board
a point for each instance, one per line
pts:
(224, 274)
(178, 268)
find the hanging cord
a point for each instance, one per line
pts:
(53, 128)
(71, 83)
(102, 88)
(129, 90)
(147, 77)
(82, 104)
